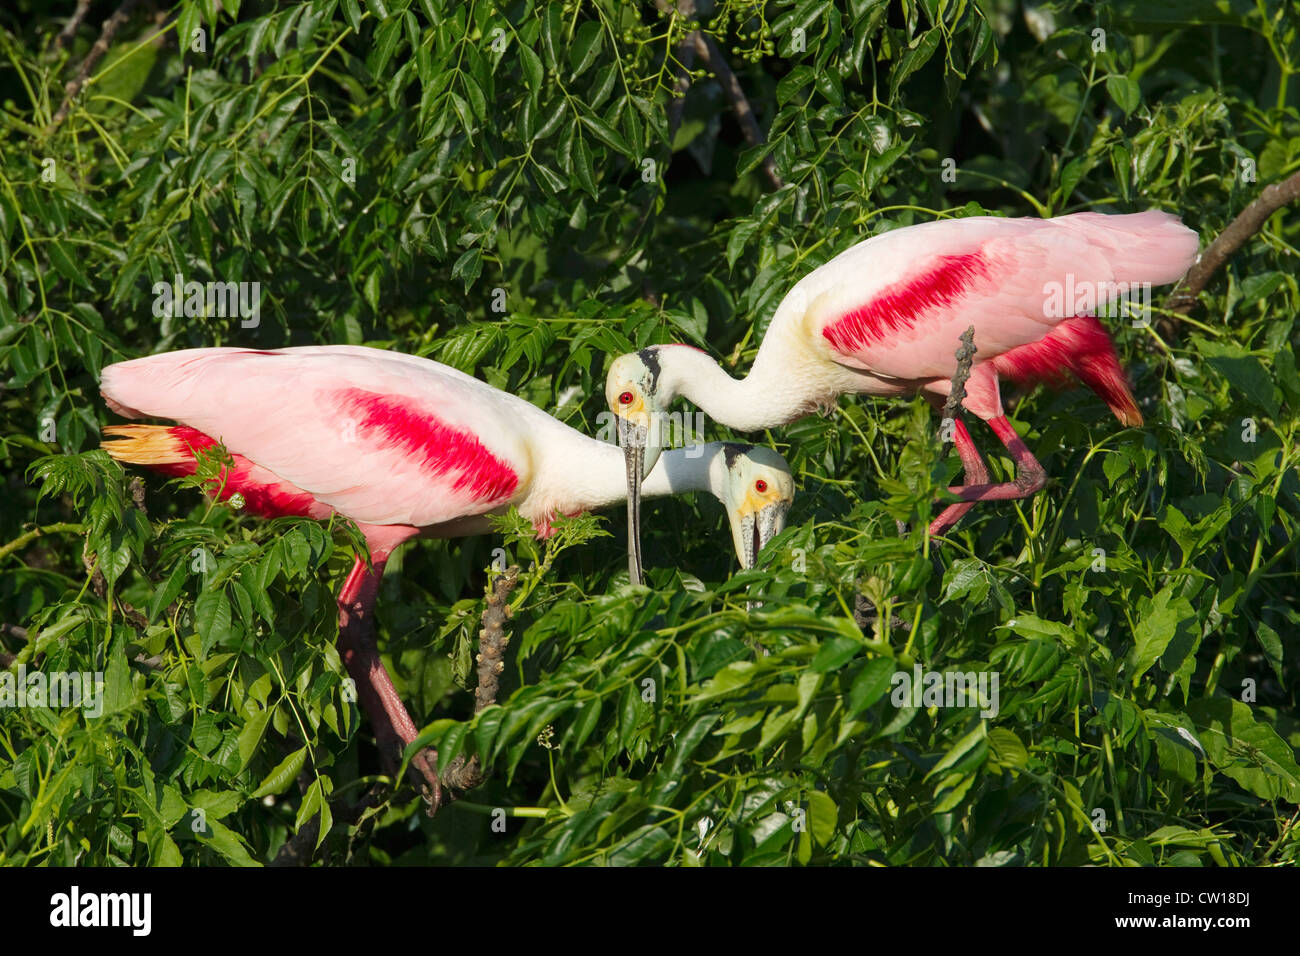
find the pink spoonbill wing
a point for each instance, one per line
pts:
(896, 304)
(383, 438)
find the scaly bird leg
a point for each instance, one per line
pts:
(976, 474)
(392, 725)
(1030, 475)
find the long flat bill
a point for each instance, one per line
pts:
(634, 455)
(633, 438)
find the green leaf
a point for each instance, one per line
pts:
(279, 779)
(964, 754)
(966, 576)
(870, 685)
(1249, 752)
(250, 736)
(823, 815)
(834, 653)
(585, 47)
(605, 133)
(228, 844)
(212, 617)
(1244, 372)
(1007, 748)
(1030, 625)
(119, 688)
(168, 591)
(1124, 90)
(468, 266)
(731, 678)
(1156, 629)
(531, 65)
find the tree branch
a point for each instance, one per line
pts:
(713, 57)
(24, 539)
(73, 87)
(1248, 222)
(492, 640)
(74, 23)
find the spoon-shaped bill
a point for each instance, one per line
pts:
(633, 439)
(752, 530)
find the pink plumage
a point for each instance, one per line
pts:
(901, 306)
(444, 451)
(886, 316)
(367, 433)
(893, 304)
(403, 446)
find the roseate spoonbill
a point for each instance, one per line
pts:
(884, 318)
(403, 446)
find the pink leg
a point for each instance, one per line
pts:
(1030, 476)
(983, 399)
(976, 474)
(392, 725)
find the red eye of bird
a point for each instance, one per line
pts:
(625, 398)
(760, 486)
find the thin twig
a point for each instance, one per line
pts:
(70, 28)
(73, 86)
(23, 540)
(1248, 222)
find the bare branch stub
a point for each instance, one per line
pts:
(136, 488)
(493, 639)
(465, 774)
(866, 615)
(965, 359)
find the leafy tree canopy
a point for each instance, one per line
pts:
(523, 189)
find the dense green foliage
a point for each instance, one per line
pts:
(384, 168)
